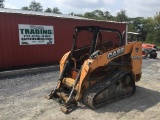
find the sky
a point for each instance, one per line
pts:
(134, 8)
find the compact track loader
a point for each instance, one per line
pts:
(97, 71)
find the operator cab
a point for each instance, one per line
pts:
(88, 39)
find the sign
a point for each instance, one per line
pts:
(35, 34)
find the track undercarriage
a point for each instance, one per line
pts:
(119, 86)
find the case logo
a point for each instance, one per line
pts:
(115, 53)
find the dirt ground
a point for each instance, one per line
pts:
(22, 98)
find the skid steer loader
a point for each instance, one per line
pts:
(99, 72)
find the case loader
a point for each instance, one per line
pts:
(97, 70)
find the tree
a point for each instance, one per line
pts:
(121, 16)
(153, 29)
(157, 28)
(1, 3)
(108, 16)
(135, 24)
(72, 13)
(56, 10)
(49, 10)
(89, 15)
(25, 8)
(98, 14)
(35, 6)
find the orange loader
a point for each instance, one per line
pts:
(148, 50)
(99, 72)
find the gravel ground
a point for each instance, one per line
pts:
(21, 98)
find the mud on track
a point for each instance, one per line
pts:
(21, 98)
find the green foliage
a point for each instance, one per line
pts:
(25, 8)
(153, 29)
(99, 15)
(121, 16)
(135, 24)
(149, 28)
(56, 10)
(89, 15)
(49, 10)
(2, 3)
(156, 33)
(108, 16)
(73, 14)
(34, 6)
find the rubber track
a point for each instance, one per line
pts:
(91, 93)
